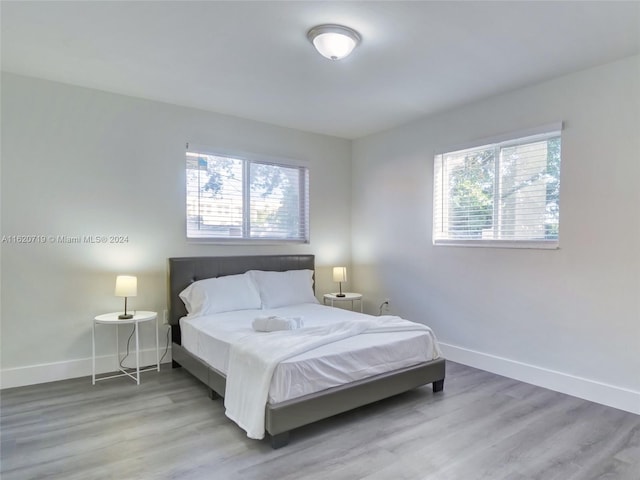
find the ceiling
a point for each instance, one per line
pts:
(253, 60)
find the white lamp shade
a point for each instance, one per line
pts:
(334, 41)
(126, 286)
(339, 274)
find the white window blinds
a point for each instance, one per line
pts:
(235, 198)
(502, 194)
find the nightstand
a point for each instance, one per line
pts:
(112, 319)
(348, 297)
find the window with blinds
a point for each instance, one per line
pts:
(235, 198)
(502, 194)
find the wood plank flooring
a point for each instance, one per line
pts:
(482, 426)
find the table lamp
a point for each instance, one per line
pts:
(340, 275)
(126, 286)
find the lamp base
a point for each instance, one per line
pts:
(340, 295)
(125, 316)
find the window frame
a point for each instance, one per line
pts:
(247, 159)
(497, 143)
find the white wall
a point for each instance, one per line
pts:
(566, 319)
(77, 161)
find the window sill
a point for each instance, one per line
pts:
(530, 244)
(245, 241)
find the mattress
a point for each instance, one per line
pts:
(210, 338)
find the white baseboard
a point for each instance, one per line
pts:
(605, 394)
(51, 372)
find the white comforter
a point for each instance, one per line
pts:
(253, 359)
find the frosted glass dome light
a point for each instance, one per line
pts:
(333, 41)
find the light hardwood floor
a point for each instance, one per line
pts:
(482, 426)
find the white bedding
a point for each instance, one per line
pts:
(253, 360)
(355, 358)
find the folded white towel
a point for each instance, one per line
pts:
(275, 323)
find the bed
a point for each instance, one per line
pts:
(281, 415)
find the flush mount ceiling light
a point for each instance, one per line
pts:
(333, 41)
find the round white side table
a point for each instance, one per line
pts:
(348, 297)
(112, 319)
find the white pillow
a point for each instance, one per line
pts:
(279, 289)
(221, 294)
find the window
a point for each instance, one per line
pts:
(502, 194)
(229, 197)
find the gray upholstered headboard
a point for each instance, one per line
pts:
(186, 270)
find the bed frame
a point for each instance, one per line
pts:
(282, 417)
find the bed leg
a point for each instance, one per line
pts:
(213, 394)
(279, 440)
(438, 386)
(175, 364)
